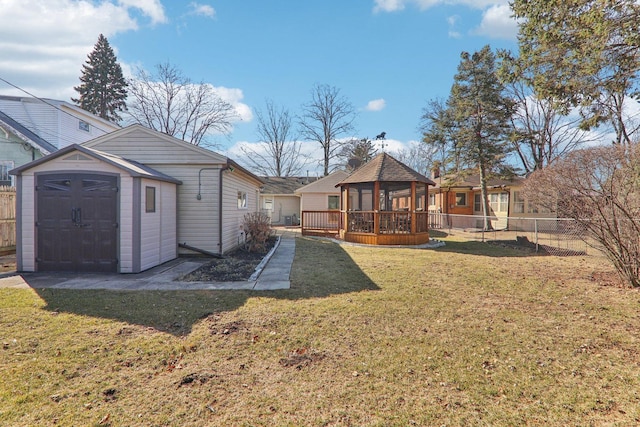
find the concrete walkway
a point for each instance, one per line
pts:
(272, 274)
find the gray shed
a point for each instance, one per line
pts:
(81, 209)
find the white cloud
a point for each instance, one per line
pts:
(44, 43)
(396, 5)
(376, 105)
(498, 23)
(150, 8)
(234, 97)
(453, 21)
(202, 10)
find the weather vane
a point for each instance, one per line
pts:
(381, 138)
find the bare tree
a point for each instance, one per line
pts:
(599, 188)
(278, 152)
(356, 152)
(169, 102)
(418, 156)
(542, 130)
(325, 118)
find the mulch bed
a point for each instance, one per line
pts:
(237, 265)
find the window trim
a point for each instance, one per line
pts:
(456, 199)
(149, 199)
(242, 200)
(337, 200)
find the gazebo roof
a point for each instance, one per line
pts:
(383, 167)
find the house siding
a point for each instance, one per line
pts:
(55, 121)
(316, 201)
(282, 206)
(197, 218)
(153, 149)
(233, 217)
(198, 197)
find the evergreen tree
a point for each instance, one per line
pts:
(472, 127)
(103, 90)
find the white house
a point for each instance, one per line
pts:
(31, 128)
(211, 195)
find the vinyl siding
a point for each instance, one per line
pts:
(282, 206)
(147, 147)
(57, 126)
(234, 216)
(316, 201)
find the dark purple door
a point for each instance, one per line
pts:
(76, 222)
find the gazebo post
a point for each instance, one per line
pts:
(412, 204)
(376, 206)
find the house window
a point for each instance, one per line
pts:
(461, 199)
(477, 202)
(499, 202)
(518, 202)
(82, 125)
(5, 167)
(432, 199)
(268, 205)
(242, 200)
(150, 199)
(334, 202)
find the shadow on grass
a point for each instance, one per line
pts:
(488, 248)
(320, 269)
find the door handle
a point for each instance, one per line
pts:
(73, 215)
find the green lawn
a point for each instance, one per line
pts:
(468, 334)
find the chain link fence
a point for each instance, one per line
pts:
(555, 236)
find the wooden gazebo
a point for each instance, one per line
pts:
(384, 202)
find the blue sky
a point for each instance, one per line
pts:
(388, 57)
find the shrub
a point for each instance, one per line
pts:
(257, 228)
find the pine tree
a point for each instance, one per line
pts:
(103, 90)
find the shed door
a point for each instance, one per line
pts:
(77, 222)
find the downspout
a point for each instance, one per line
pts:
(220, 199)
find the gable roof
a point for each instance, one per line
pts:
(383, 167)
(134, 168)
(26, 134)
(472, 182)
(325, 184)
(283, 184)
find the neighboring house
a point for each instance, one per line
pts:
(167, 193)
(31, 128)
(322, 194)
(462, 196)
(278, 199)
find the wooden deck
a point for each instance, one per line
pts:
(369, 228)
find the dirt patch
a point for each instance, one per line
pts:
(236, 266)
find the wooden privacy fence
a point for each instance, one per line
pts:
(7, 219)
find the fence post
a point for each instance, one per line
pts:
(535, 229)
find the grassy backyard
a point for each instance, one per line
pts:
(468, 334)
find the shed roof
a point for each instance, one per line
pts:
(383, 167)
(131, 166)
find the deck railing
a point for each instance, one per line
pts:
(391, 222)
